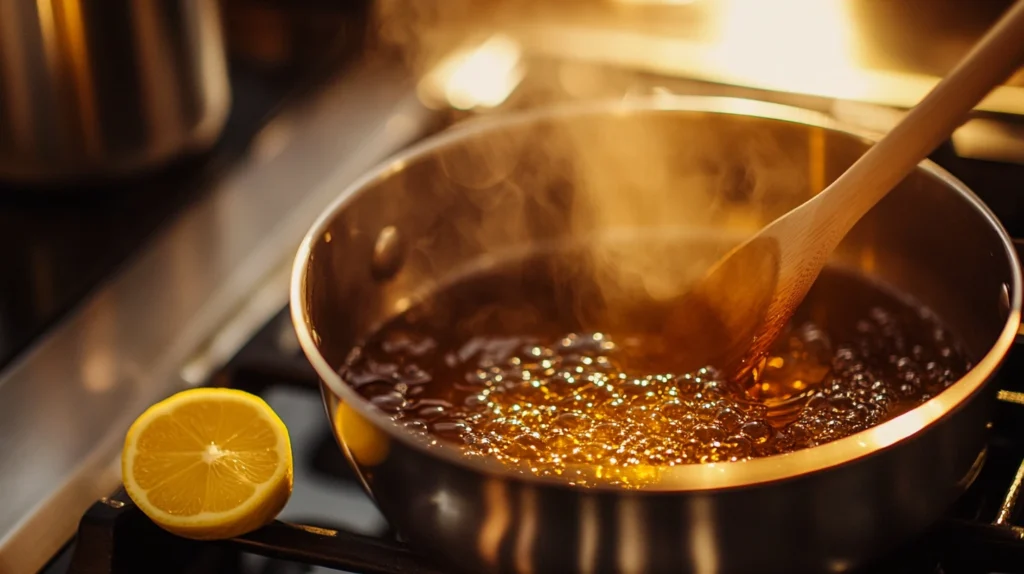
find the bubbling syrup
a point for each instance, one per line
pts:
(500, 364)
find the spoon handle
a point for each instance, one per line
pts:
(927, 125)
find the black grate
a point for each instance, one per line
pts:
(114, 537)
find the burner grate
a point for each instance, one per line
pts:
(116, 538)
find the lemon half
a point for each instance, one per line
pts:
(208, 463)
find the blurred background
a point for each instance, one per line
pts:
(818, 54)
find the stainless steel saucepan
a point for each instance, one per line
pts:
(704, 165)
(106, 89)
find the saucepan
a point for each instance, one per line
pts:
(707, 165)
(99, 90)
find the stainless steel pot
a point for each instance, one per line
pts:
(728, 166)
(97, 89)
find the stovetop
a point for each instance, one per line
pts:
(331, 524)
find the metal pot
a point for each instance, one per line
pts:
(102, 89)
(445, 206)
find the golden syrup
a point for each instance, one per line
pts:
(502, 364)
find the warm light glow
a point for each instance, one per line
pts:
(483, 76)
(795, 46)
(657, 2)
(801, 45)
(902, 426)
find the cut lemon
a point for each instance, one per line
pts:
(208, 463)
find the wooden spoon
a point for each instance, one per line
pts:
(734, 313)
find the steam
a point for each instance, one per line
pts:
(644, 199)
(652, 198)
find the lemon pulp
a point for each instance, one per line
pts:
(208, 463)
